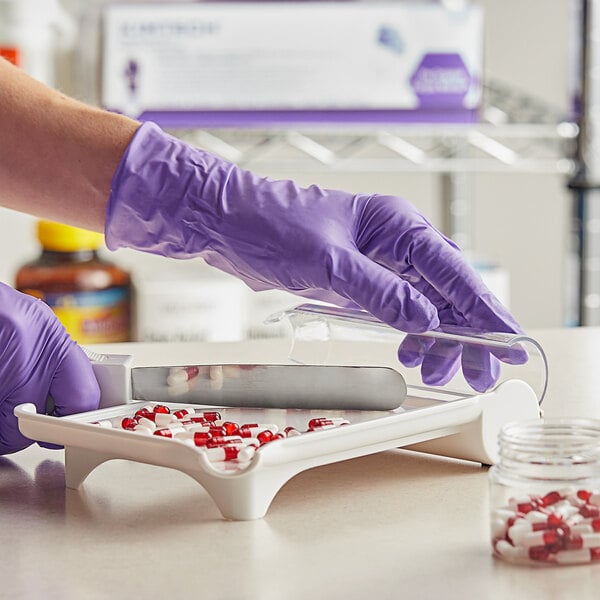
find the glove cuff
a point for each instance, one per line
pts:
(160, 191)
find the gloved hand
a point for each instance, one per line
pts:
(38, 358)
(441, 358)
(375, 252)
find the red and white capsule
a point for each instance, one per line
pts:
(128, 423)
(183, 413)
(227, 453)
(163, 419)
(197, 438)
(147, 423)
(211, 415)
(291, 432)
(252, 430)
(326, 422)
(559, 527)
(225, 440)
(168, 432)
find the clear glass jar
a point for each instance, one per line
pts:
(545, 493)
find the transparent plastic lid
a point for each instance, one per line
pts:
(458, 360)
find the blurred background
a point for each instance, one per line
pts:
(498, 186)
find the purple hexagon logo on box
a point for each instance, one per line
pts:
(441, 80)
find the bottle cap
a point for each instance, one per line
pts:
(57, 237)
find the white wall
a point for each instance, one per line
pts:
(520, 221)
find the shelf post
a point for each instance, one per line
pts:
(586, 184)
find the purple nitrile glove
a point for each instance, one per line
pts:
(440, 359)
(375, 252)
(38, 358)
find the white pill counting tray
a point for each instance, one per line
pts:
(461, 427)
(449, 419)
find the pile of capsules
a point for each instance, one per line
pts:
(560, 527)
(221, 440)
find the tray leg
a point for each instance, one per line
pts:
(243, 498)
(477, 440)
(79, 463)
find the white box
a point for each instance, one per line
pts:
(236, 63)
(176, 308)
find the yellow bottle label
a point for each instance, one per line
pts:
(92, 317)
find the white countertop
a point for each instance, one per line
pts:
(396, 524)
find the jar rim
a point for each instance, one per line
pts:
(575, 440)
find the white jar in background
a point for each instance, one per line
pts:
(176, 306)
(31, 34)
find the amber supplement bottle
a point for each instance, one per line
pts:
(90, 296)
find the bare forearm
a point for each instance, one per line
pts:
(57, 155)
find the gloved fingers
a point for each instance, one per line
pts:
(413, 348)
(486, 314)
(381, 292)
(461, 285)
(480, 367)
(395, 234)
(448, 315)
(517, 354)
(434, 281)
(38, 358)
(441, 362)
(74, 388)
(435, 260)
(11, 438)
